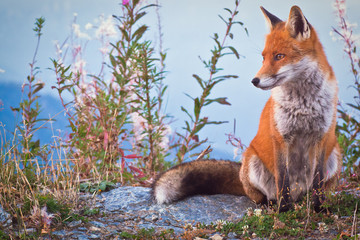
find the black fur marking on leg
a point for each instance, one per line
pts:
(283, 186)
(318, 185)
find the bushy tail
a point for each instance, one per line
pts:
(198, 177)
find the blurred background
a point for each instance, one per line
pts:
(187, 27)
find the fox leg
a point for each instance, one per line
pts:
(325, 176)
(282, 183)
(258, 182)
(318, 185)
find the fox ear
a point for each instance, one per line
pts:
(271, 20)
(297, 25)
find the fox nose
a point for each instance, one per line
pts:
(255, 81)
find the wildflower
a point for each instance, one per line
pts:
(125, 2)
(188, 226)
(166, 131)
(78, 33)
(138, 126)
(322, 227)
(257, 212)
(83, 85)
(249, 212)
(79, 66)
(88, 26)
(114, 85)
(106, 28)
(219, 224)
(46, 217)
(245, 229)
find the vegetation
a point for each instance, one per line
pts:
(120, 133)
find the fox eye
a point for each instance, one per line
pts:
(279, 56)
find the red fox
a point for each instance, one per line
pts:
(295, 149)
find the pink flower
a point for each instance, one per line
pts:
(125, 2)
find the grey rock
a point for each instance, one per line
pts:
(98, 224)
(60, 233)
(74, 223)
(135, 204)
(82, 237)
(232, 235)
(5, 218)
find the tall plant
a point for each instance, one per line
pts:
(106, 116)
(349, 124)
(196, 121)
(149, 123)
(29, 109)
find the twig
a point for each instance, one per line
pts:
(353, 228)
(203, 153)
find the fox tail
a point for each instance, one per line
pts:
(197, 177)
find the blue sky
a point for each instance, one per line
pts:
(187, 27)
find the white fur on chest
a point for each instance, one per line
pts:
(304, 103)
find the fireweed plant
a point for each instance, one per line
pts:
(29, 109)
(116, 121)
(348, 127)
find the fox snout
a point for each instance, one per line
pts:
(255, 81)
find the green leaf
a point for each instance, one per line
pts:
(217, 122)
(139, 32)
(354, 106)
(185, 111)
(189, 96)
(221, 100)
(228, 10)
(199, 80)
(234, 51)
(197, 108)
(139, 15)
(199, 127)
(38, 87)
(223, 19)
(112, 60)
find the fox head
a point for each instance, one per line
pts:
(291, 47)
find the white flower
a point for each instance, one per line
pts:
(245, 229)
(88, 26)
(166, 132)
(46, 217)
(83, 85)
(257, 212)
(138, 126)
(78, 33)
(115, 85)
(106, 28)
(322, 227)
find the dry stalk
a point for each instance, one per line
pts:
(203, 153)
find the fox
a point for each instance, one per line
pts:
(295, 150)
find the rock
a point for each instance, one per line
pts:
(130, 209)
(5, 218)
(74, 224)
(133, 204)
